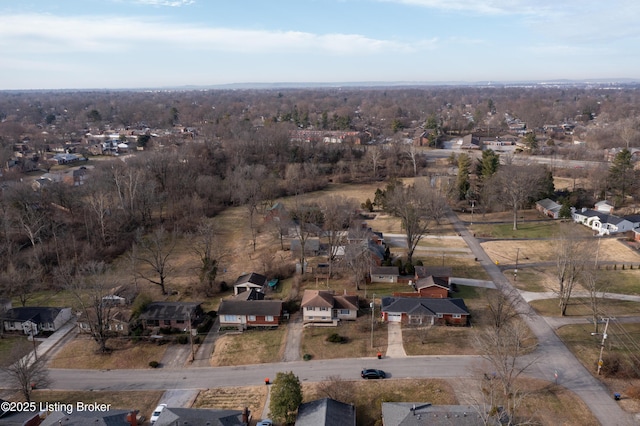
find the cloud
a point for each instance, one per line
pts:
(37, 33)
(484, 7)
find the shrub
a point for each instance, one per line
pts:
(307, 357)
(336, 338)
(154, 364)
(183, 339)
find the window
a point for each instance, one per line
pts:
(344, 311)
(324, 308)
(269, 318)
(252, 317)
(439, 315)
(179, 321)
(229, 318)
(457, 316)
(119, 327)
(167, 322)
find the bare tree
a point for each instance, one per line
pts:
(516, 185)
(503, 348)
(501, 307)
(412, 153)
(375, 154)
(337, 388)
(27, 370)
(571, 257)
(596, 286)
(209, 252)
(89, 285)
(308, 219)
(414, 205)
(155, 251)
(338, 215)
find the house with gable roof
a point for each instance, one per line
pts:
(425, 311)
(326, 412)
(549, 208)
(248, 281)
(323, 307)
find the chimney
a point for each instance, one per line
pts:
(132, 418)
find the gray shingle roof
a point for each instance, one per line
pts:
(404, 414)
(326, 412)
(250, 307)
(169, 310)
(36, 314)
(419, 304)
(199, 417)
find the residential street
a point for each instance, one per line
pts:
(551, 356)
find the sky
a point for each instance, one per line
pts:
(128, 44)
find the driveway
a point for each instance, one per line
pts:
(206, 348)
(294, 338)
(395, 349)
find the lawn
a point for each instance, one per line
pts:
(13, 347)
(439, 340)
(249, 347)
(580, 307)
(526, 230)
(357, 344)
(81, 353)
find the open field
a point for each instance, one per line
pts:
(534, 251)
(439, 340)
(249, 347)
(81, 353)
(358, 339)
(580, 307)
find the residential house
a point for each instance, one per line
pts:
(326, 412)
(605, 224)
(469, 142)
(436, 271)
(311, 246)
(244, 314)
(549, 208)
(172, 416)
(323, 307)
(171, 315)
(425, 311)
(35, 319)
(117, 322)
(603, 206)
(636, 234)
(384, 274)
(246, 282)
(425, 414)
(433, 287)
(74, 417)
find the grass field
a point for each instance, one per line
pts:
(580, 307)
(358, 339)
(234, 398)
(249, 347)
(81, 353)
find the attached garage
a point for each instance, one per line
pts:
(394, 317)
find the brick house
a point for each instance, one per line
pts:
(244, 314)
(425, 311)
(171, 315)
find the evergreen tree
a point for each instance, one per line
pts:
(621, 173)
(462, 181)
(286, 396)
(489, 164)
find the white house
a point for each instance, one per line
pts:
(603, 206)
(384, 274)
(35, 319)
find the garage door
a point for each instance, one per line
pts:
(394, 317)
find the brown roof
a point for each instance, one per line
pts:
(317, 298)
(326, 299)
(431, 281)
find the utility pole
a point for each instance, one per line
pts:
(373, 309)
(193, 353)
(473, 204)
(515, 271)
(604, 336)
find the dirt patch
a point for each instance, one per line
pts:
(234, 398)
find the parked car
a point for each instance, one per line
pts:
(372, 373)
(265, 422)
(156, 413)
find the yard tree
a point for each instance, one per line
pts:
(413, 154)
(308, 220)
(338, 216)
(357, 255)
(335, 387)
(206, 247)
(286, 396)
(621, 174)
(572, 254)
(596, 285)
(374, 155)
(503, 347)
(462, 181)
(530, 141)
(154, 252)
(415, 205)
(27, 370)
(247, 183)
(89, 285)
(515, 185)
(488, 164)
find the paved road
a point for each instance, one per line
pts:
(552, 355)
